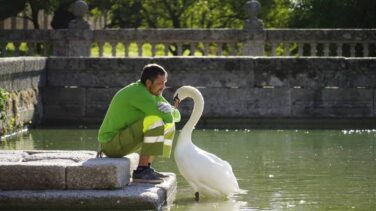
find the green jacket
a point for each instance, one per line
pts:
(129, 105)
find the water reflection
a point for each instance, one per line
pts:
(282, 169)
(208, 205)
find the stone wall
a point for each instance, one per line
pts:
(247, 90)
(23, 78)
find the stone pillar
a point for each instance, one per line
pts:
(254, 30)
(77, 39)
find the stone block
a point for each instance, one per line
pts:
(10, 68)
(109, 72)
(305, 73)
(36, 69)
(11, 65)
(19, 73)
(42, 169)
(32, 175)
(99, 173)
(245, 102)
(12, 156)
(205, 72)
(64, 102)
(350, 102)
(136, 196)
(98, 100)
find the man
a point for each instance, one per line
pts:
(140, 119)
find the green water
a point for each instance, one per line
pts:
(281, 169)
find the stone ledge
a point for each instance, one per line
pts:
(134, 196)
(60, 170)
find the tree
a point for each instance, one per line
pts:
(8, 9)
(62, 16)
(333, 14)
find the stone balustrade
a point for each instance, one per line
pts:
(321, 42)
(190, 42)
(252, 40)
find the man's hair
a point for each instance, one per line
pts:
(151, 72)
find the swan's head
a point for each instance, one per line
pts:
(184, 92)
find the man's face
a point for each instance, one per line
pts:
(157, 86)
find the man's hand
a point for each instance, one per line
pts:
(164, 107)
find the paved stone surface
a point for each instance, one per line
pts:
(134, 196)
(59, 170)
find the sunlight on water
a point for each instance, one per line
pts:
(281, 169)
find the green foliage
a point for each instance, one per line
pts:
(9, 122)
(211, 13)
(171, 13)
(275, 13)
(4, 97)
(333, 14)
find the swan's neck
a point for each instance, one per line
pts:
(198, 108)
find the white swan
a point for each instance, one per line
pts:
(205, 172)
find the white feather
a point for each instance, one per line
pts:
(205, 172)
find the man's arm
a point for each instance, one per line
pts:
(175, 112)
(149, 106)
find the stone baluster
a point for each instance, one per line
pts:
(313, 49)
(339, 50)
(352, 49)
(286, 50)
(16, 48)
(31, 48)
(46, 47)
(139, 48)
(206, 49)
(233, 49)
(274, 49)
(254, 30)
(219, 49)
(100, 48)
(166, 49)
(326, 49)
(365, 50)
(126, 49)
(153, 51)
(192, 48)
(3, 47)
(300, 48)
(179, 48)
(113, 48)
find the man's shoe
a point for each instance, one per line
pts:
(157, 173)
(146, 176)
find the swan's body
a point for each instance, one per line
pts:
(205, 172)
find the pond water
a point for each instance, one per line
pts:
(281, 169)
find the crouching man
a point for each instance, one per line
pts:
(139, 119)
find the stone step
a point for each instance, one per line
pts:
(76, 179)
(135, 196)
(62, 170)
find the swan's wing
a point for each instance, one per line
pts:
(207, 170)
